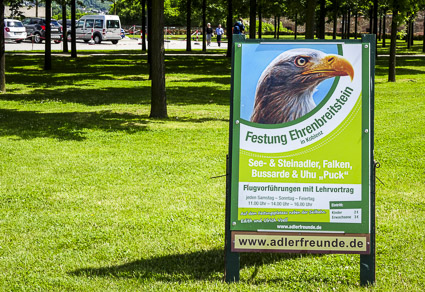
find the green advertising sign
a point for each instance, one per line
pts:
(300, 145)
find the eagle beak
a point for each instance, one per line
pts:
(332, 66)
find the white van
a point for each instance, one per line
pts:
(99, 27)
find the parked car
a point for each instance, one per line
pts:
(14, 30)
(99, 28)
(68, 24)
(36, 28)
(68, 27)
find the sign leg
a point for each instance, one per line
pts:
(231, 262)
(231, 259)
(368, 262)
(367, 269)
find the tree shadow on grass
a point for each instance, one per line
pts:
(66, 126)
(100, 80)
(198, 265)
(119, 66)
(74, 125)
(221, 80)
(197, 65)
(188, 95)
(89, 97)
(402, 62)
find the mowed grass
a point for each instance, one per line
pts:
(95, 195)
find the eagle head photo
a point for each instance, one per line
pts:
(285, 88)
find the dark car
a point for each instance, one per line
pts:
(36, 29)
(68, 24)
(68, 27)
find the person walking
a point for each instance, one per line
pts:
(219, 32)
(209, 33)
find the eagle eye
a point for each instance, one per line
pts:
(301, 61)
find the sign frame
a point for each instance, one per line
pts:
(367, 256)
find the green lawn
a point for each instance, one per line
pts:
(95, 195)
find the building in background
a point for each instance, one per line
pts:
(27, 11)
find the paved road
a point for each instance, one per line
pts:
(125, 44)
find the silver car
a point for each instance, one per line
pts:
(14, 30)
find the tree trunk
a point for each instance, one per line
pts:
(344, 22)
(371, 20)
(380, 29)
(409, 33)
(188, 25)
(229, 27)
(64, 28)
(73, 30)
(322, 16)
(423, 38)
(260, 23)
(348, 23)
(296, 26)
(375, 24)
(356, 17)
(335, 20)
(158, 97)
(143, 32)
(407, 37)
(204, 25)
(278, 27)
(48, 38)
(150, 28)
(392, 63)
(2, 51)
(384, 29)
(275, 27)
(253, 18)
(309, 24)
(375, 17)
